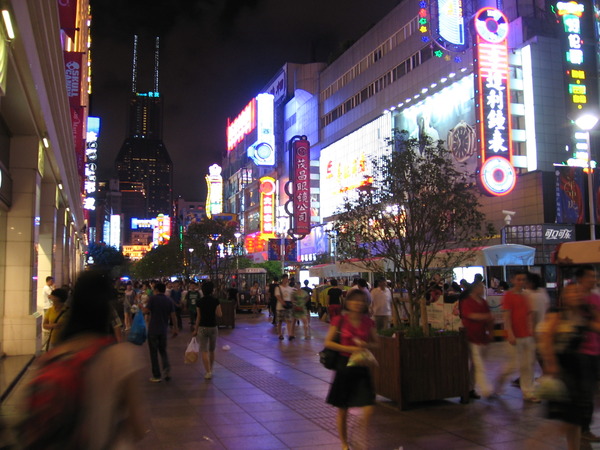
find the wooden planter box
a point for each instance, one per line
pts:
(422, 369)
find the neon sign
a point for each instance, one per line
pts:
(492, 93)
(91, 159)
(443, 20)
(214, 181)
(162, 231)
(576, 34)
(243, 124)
(267, 205)
(300, 171)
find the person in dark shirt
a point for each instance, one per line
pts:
(334, 295)
(208, 309)
(161, 309)
(273, 300)
(177, 300)
(309, 291)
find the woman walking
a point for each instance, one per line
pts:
(208, 309)
(352, 386)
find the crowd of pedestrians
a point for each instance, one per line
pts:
(561, 342)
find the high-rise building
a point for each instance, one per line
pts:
(143, 160)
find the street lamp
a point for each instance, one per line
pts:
(586, 122)
(191, 250)
(237, 235)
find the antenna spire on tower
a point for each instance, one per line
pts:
(135, 63)
(156, 55)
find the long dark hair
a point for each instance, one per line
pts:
(91, 307)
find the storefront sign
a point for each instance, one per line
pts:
(162, 232)
(538, 234)
(267, 205)
(73, 74)
(277, 88)
(300, 170)
(492, 94)
(262, 152)
(67, 14)
(447, 24)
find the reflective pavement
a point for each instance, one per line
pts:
(269, 394)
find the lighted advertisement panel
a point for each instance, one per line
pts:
(91, 163)
(214, 182)
(497, 175)
(115, 231)
(300, 171)
(448, 115)
(142, 223)
(576, 22)
(242, 125)
(347, 163)
(262, 152)
(267, 206)
(162, 231)
(444, 21)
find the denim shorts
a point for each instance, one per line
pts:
(208, 338)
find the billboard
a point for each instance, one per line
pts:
(346, 164)
(262, 152)
(449, 115)
(497, 175)
(570, 195)
(115, 231)
(242, 125)
(73, 74)
(289, 249)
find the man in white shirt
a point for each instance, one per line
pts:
(47, 291)
(381, 305)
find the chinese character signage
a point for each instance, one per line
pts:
(243, 124)
(300, 172)
(576, 33)
(492, 100)
(91, 163)
(267, 205)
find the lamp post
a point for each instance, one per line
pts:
(237, 235)
(191, 250)
(586, 122)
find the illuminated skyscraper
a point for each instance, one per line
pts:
(143, 160)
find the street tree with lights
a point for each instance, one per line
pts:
(419, 205)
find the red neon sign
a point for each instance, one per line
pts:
(301, 186)
(497, 174)
(243, 124)
(267, 205)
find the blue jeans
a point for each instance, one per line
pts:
(157, 343)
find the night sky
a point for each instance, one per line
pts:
(215, 56)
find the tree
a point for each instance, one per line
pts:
(213, 244)
(418, 206)
(102, 256)
(162, 261)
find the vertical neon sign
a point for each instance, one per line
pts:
(214, 182)
(496, 173)
(267, 206)
(300, 171)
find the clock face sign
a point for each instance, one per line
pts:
(498, 176)
(462, 141)
(491, 25)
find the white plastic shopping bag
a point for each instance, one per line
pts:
(192, 351)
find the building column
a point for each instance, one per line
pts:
(61, 261)
(46, 248)
(21, 320)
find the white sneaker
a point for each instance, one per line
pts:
(208, 375)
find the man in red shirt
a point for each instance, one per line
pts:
(479, 323)
(519, 334)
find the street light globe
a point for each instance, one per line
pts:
(190, 250)
(586, 122)
(237, 234)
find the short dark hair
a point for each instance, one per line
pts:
(160, 287)
(362, 282)
(60, 294)
(285, 275)
(582, 269)
(535, 280)
(49, 278)
(333, 282)
(208, 287)
(292, 283)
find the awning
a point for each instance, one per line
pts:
(509, 255)
(579, 252)
(323, 271)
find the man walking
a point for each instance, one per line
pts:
(381, 307)
(161, 309)
(519, 334)
(283, 294)
(206, 325)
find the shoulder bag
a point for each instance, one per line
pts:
(328, 357)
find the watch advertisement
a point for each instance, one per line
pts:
(448, 115)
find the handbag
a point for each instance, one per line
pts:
(286, 304)
(137, 333)
(328, 357)
(191, 352)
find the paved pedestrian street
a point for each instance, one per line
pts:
(269, 394)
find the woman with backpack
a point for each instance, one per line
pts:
(84, 393)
